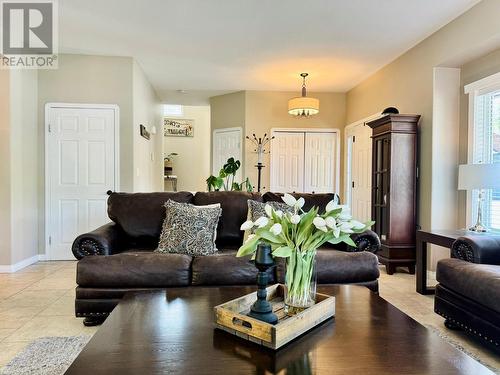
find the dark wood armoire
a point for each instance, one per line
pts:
(394, 188)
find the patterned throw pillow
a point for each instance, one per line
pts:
(257, 209)
(189, 229)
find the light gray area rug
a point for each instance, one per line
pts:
(46, 356)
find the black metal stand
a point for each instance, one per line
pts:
(262, 309)
(259, 172)
(259, 144)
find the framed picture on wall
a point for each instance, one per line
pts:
(178, 127)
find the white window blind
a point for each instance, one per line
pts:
(486, 149)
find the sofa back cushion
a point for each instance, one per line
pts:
(234, 213)
(311, 200)
(141, 215)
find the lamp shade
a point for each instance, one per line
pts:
(303, 106)
(478, 176)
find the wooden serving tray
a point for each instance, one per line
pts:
(232, 317)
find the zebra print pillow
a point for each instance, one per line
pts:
(189, 229)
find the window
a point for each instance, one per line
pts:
(484, 146)
(175, 110)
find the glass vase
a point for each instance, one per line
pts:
(300, 281)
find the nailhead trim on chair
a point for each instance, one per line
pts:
(88, 247)
(92, 314)
(467, 328)
(463, 251)
(358, 240)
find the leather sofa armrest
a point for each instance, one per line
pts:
(482, 249)
(105, 240)
(366, 241)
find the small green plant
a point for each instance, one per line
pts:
(225, 179)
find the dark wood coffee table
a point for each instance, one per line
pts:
(150, 333)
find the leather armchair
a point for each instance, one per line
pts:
(468, 293)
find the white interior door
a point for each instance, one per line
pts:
(226, 144)
(80, 167)
(320, 163)
(287, 162)
(358, 177)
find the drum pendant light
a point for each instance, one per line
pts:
(303, 106)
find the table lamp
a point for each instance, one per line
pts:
(478, 176)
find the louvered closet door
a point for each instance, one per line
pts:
(287, 162)
(319, 164)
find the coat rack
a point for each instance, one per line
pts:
(259, 144)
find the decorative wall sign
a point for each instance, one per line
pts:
(178, 127)
(144, 132)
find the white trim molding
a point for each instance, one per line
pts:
(19, 265)
(490, 83)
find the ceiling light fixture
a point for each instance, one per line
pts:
(303, 106)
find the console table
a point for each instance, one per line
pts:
(444, 238)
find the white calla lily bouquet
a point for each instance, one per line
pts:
(296, 235)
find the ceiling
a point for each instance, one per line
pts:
(209, 47)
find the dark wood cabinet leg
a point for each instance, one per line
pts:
(411, 269)
(390, 269)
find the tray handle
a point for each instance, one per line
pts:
(240, 322)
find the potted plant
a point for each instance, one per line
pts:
(295, 236)
(225, 179)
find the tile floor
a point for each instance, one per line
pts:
(39, 301)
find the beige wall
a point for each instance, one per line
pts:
(260, 111)
(5, 186)
(407, 82)
(265, 110)
(470, 72)
(192, 164)
(18, 171)
(95, 80)
(147, 153)
(227, 111)
(24, 168)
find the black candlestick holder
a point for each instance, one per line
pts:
(262, 309)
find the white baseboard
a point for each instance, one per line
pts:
(19, 265)
(431, 275)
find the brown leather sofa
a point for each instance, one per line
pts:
(468, 293)
(119, 257)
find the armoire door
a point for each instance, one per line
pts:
(319, 164)
(287, 162)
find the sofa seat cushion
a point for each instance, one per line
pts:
(478, 282)
(338, 267)
(224, 268)
(134, 269)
